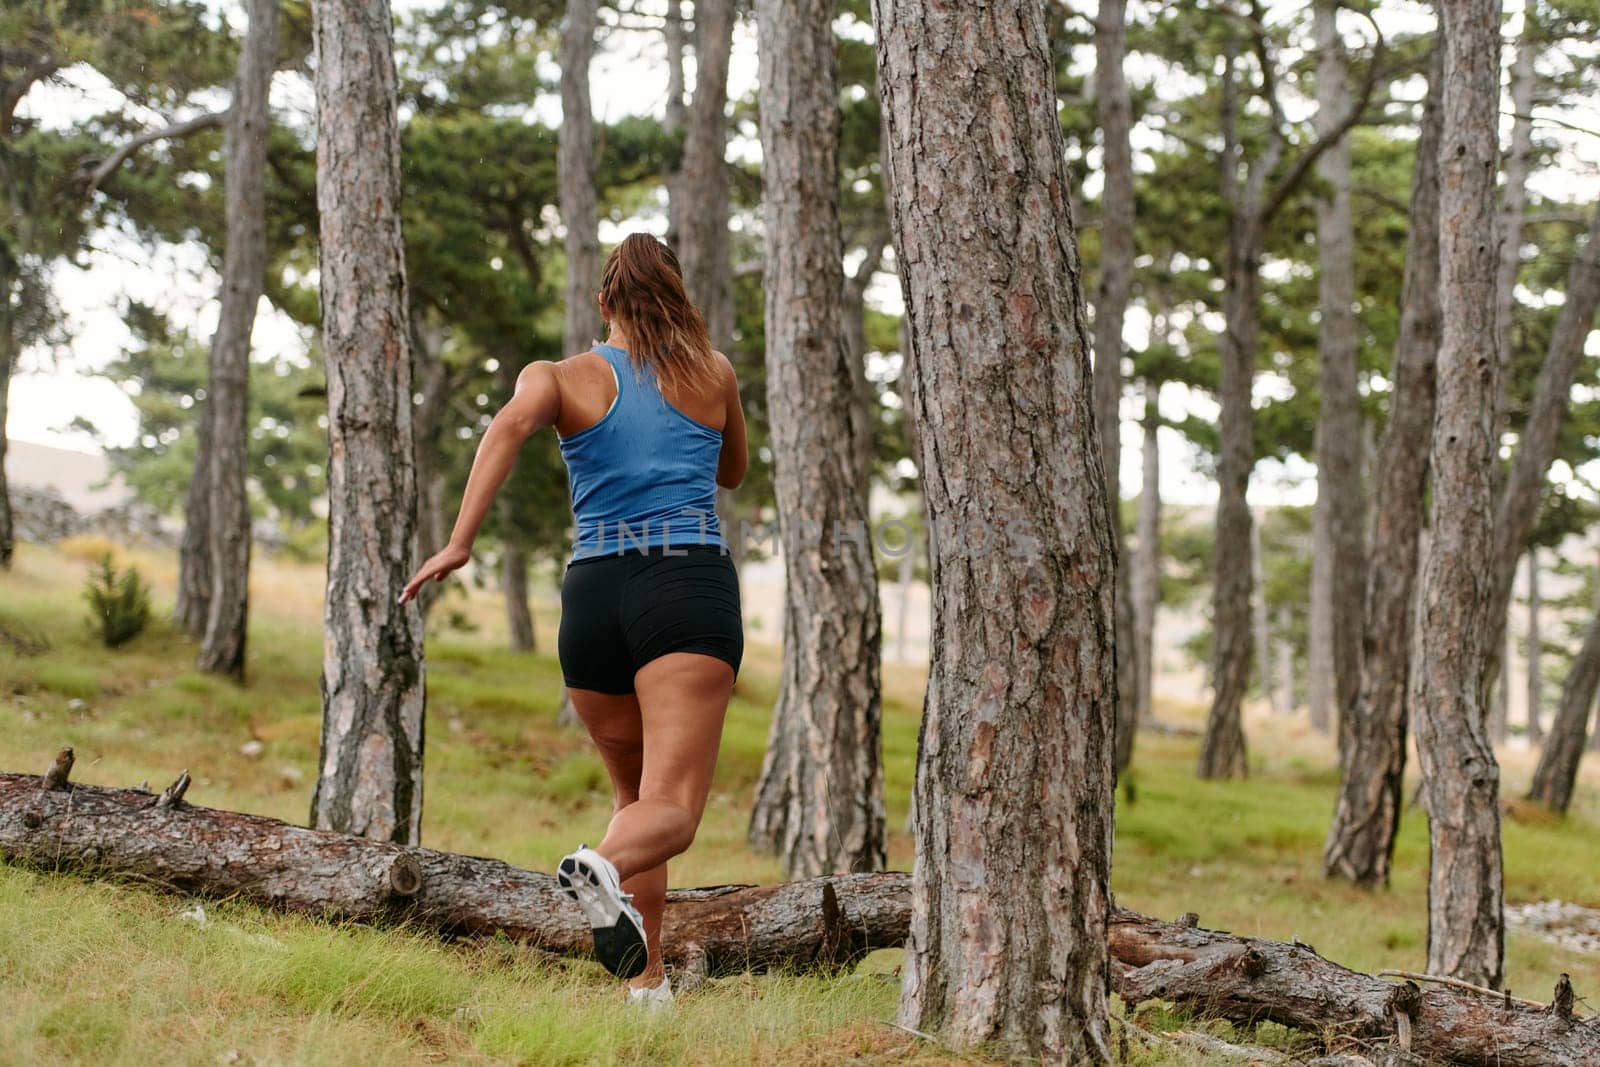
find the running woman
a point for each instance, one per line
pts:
(649, 424)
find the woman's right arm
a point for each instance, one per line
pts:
(735, 457)
(535, 405)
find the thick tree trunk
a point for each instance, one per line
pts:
(1340, 494)
(1114, 113)
(194, 551)
(575, 161)
(1146, 580)
(1557, 772)
(817, 924)
(1017, 764)
(244, 267)
(1360, 842)
(819, 802)
(1535, 652)
(370, 775)
(703, 187)
(1466, 922)
(1518, 508)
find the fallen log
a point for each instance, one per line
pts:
(51, 823)
(1249, 980)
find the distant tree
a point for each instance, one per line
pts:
(224, 468)
(1360, 845)
(1114, 113)
(1017, 765)
(1338, 556)
(370, 777)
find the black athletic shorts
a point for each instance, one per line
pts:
(619, 612)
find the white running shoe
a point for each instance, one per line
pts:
(591, 880)
(651, 998)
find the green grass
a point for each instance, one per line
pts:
(96, 972)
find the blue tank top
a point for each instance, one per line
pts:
(645, 475)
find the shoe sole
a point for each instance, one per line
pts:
(618, 942)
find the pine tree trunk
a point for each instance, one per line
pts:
(1557, 772)
(370, 781)
(194, 551)
(1535, 652)
(1114, 113)
(433, 384)
(819, 802)
(1518, 508)
(1017, 765)
(703, 188)
(1222, 749)
(1285, 661)
(1360, 845)
(1146, 580)
(1514, 200)
(1260, 631)
(1466, 923)
(864, 400)
(675, 116)
(1339, 418)
(514, 584)
(1319, 633)
(575, 161)
(8, 359)
(222, 648)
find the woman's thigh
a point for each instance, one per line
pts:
(683, 700)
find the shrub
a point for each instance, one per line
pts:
(119, 603)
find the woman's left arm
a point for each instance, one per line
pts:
(535, 405)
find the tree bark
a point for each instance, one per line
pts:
(1360, 845)
(823, 923)
(370, 777)
(1514, 201)
(1557, 772)
(1114, 113)
(1146, 581)
(8, 359)
(1466, 923)
(1535, 652)
(1340, 494)
(1518, 508)
(819, 801)
(194, 551)
(676, 114)
(1248, 980)
(1285, 648)
(1016, 767)
(863, 400)
(1222, 749)
(434, 384)
(222, 648)
(703, 187)
(1261, 632)
(520, 636)
(575, 161)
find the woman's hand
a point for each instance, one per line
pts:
(436, 569)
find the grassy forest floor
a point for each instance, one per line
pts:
(96, 973)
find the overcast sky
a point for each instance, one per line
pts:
(629, 77)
